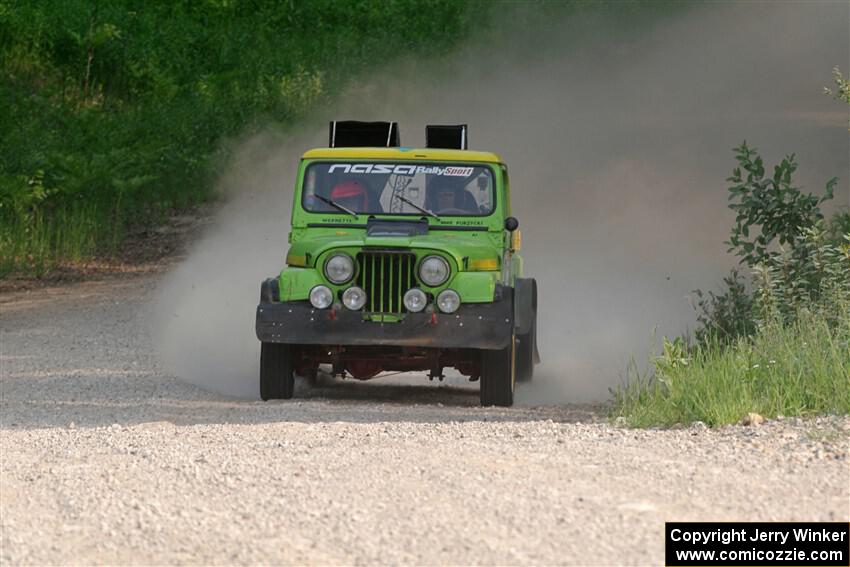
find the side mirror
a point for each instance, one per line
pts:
(511, 224)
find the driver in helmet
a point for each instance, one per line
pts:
(351, 195)
(445, 196)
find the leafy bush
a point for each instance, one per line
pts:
(772, 206)
(838, 226)
(811, 277)
(797, 361)
(725, 316)
(771, 213)
(842, 87)
(781, 349)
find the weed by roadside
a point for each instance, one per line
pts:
(777, 343)
(802, 368)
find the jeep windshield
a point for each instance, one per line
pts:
(401, 188)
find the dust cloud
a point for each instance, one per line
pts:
(618, 144)
(204, 310)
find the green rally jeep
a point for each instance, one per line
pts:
(400, 259)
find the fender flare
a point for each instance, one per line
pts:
(270, 291)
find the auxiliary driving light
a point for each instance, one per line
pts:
(434, 271)
(321, 297)
(415, 300)
(448, 301)
(354, 298)
(339, 268)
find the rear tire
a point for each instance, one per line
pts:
(498, 376)
(277, 379)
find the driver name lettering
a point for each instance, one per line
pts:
(406, 169)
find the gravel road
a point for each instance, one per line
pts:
(105, 458)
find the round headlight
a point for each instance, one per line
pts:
(448, 301)
(339, 268)
(434, 271)
(415, 300)
(321, 297)
(354, 298)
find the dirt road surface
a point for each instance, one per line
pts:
(107, 459)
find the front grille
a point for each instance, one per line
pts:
(385, 275)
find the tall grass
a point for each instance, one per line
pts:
(32, 243)
(801, 368)
(797, 362)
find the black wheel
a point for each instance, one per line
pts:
(277, 380)
(498, 376)
(526, 346)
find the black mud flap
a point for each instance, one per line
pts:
(525, 304)
(525, 310)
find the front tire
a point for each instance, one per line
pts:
(498, 376)
(277, 379)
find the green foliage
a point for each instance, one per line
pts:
(771, 213)
(115, 111)
(723, 317)
(811, 277)
(842, 86)
(838, 226)
(797, 361)
(802, 368)
(781, 349)
(771, 207)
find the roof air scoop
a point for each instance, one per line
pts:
(446, 137)
(355, 134)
